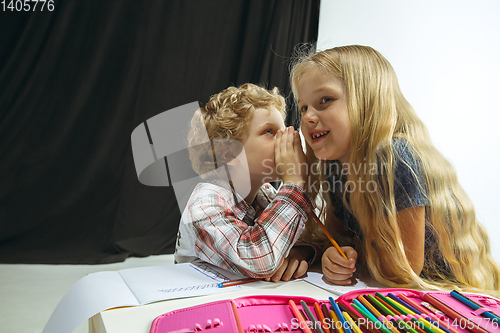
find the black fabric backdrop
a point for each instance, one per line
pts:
(75, 82)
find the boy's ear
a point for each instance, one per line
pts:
(235, 161)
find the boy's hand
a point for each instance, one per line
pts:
(291, 163)
(336, 268)
(295, 265)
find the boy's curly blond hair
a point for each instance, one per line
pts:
(226, 117)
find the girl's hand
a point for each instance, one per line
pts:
(294, 266)
(336, 268)
(291, 163)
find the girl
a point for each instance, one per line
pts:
(390, 195)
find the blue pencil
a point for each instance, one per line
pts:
(463, 299)
(399, 300)
(336, 309)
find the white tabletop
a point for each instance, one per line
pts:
(138, 319)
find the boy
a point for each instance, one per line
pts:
(242, 224)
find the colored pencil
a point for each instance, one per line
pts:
(236, 282)
(453, 314)
(388, 306)
(334, 243)
(351, 322)
(296, 313)
(416, 306)
(433, 309)
(398, 299)
(400, 308)
(330, 315)
(356, 316)
(390, 315)
(335, 319)
(369, 317)
(308, 321)
(336, 308)
(378, 315)
(474, 306)
(326, 314)
(427, 325)
(380, 305)
(409, 325)
(395, 308)
(316, 324)
(321, 317)
(430, 315)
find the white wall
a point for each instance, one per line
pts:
(447, 57)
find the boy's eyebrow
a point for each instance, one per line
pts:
(266, 124)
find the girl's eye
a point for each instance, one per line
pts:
(326, 100)
(268, 131)
(303, 109)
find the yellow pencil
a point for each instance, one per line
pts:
(335, 320)
(351, 322)
(334, 243)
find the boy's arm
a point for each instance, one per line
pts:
(258, 250)
(299, 259)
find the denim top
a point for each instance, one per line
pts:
(407, 189)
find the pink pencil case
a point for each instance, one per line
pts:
(456, 316)
(267, 313)
(253, 314)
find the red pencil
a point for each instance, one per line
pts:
(236, 282)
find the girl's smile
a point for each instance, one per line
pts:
(325, 118)
(317, 135)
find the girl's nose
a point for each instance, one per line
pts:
(310, 116)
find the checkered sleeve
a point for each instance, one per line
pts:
(256, 250)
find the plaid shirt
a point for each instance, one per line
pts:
(219, 227)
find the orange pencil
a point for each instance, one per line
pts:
(296, 313)
(334, 243)
(321, 317)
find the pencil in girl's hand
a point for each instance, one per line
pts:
(334, 243)
(236, 282)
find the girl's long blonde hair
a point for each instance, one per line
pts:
(460, 256)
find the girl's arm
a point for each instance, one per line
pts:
(412, 225)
